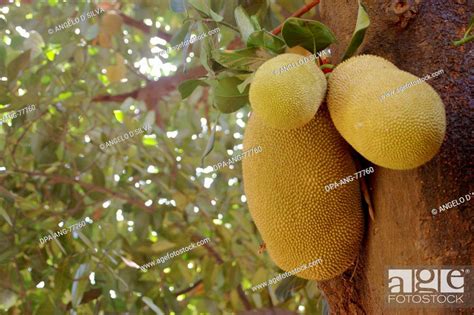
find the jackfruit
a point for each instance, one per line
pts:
(299, 50)
(361, 63)
(284, 184)
(287, 90)
(394, 128)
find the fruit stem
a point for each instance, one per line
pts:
(298, 13)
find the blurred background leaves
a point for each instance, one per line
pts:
(99, 79)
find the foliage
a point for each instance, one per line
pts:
(362, 24)
(98, 79)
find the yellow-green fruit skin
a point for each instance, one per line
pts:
(285, 188)
(287, 99)
(399, 131)
(361, 63)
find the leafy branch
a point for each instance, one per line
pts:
(297, 13)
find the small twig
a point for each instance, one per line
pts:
(464, 40)
(298, 13)
(189, 288)
(243, 297)
(232, 27)
(355, 268)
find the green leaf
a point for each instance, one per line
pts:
(161, 246)
(188, 87)
(46, 306)
(88, 296)
(98, 177)
(3, 57)
(79, 284)
(118, 115)
(204, 7)
(255, 23)
(209, 273)
(227, 97)
(152, 305)
(18, 64)
(244, 23)
(63, 96)
(216, 17)
(210, 142)
(8, 254)
(149, 140)
(181, 35)
(200, 5)
(205, 48)
(5, 216)
(62, 276)
(363, 22)
(248, 80)
(266, 40)
(247, 59)
(312, 35)
(35, 43)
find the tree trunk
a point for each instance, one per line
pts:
(416, 36)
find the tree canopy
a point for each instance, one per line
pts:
(114, 156)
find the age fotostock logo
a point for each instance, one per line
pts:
(428, 286)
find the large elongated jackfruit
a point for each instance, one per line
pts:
(298, 220)
(391, 117)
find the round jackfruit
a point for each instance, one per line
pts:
(386, 116)
(286, 91)
(285, 188)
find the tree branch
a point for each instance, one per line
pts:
(116, 98)
(298, 13)
(143, 27)
(89, 187)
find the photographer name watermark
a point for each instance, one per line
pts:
(71, 22)
(72, 228)
(452, 204)
(175, 253)
(412, 83)
(445, 286)
(17, 113)
(237, 158)
(125, 136)
(349, 179)
(192, 39)
(323, 53)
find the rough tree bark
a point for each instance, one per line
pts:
(416, 36)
